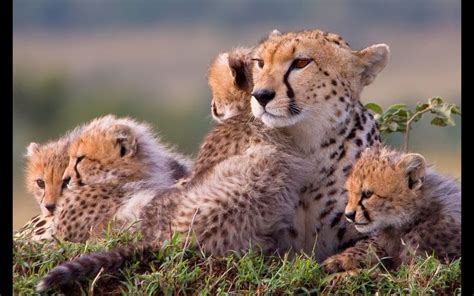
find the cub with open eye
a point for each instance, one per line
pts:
(396, 198)
(45, 166)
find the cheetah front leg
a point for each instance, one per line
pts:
(365, 253)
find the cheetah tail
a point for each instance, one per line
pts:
(89, 265)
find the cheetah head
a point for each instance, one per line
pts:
(103, 154)
(230, 79)
(45, 165)
(383, 188)
(310, 74)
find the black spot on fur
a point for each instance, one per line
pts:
(336, 219)
(340, 233)
(326, 212)
(327, 143)
(318, 196)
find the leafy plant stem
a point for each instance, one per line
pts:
(407, 131)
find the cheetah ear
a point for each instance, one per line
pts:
(274, 33)
(414, 165)
(32, 149)
(124, 139)
(373, 59)
(240, 70)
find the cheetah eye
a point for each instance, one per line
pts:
(40, 183)
(301, 63)
(366, 194)
(260, 63)
(66, 181)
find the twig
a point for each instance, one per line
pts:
(407, 131)
(189, 233)
(91, 289)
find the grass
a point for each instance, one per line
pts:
(177, 271)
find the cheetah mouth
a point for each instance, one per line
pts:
(266, 113)
(361, 223)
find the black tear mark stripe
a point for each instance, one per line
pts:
(364, 211)
(78, 175)
(293, 108)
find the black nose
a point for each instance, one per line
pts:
(350, 216)
(50, 207)
(263, 96)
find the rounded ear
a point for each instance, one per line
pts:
(240, 70)
(414, 165)
(274, 33)
(124, 139)
(373, 59)
(32, 149)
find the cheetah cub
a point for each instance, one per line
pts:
(45, 166)
(116, 166)
(230, 81)
(407, 207)
(229, 78)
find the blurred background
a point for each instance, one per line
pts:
(74, 60)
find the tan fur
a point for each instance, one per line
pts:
(285, 188)
(318, 107)
(410, 209)
(116, 166)
(228, 201)
(229, 77)
(45, 164)
(38, 228)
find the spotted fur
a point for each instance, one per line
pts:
(307, 84)
(241, 195)
(409, 208)
(45, 166)
(252, 198)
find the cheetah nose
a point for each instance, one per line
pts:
(50, 207)
(263, 96)
(350, 216)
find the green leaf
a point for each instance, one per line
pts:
(456, 110)
(420, 107)
(438, 121)
(375, 108)
(436, 101)
(402, 127)
(401, 113)
(397, 107)
(393, 126)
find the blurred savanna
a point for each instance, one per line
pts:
(75, 60)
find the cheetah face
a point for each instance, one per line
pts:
(102, 156)
(310, 74)
(383, 190)
(44, 171)
(229, 79)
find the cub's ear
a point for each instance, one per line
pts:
(32, 149)
(274, 33)
(414, 166)
(240, 70)
(372, 60)
(124, 139)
